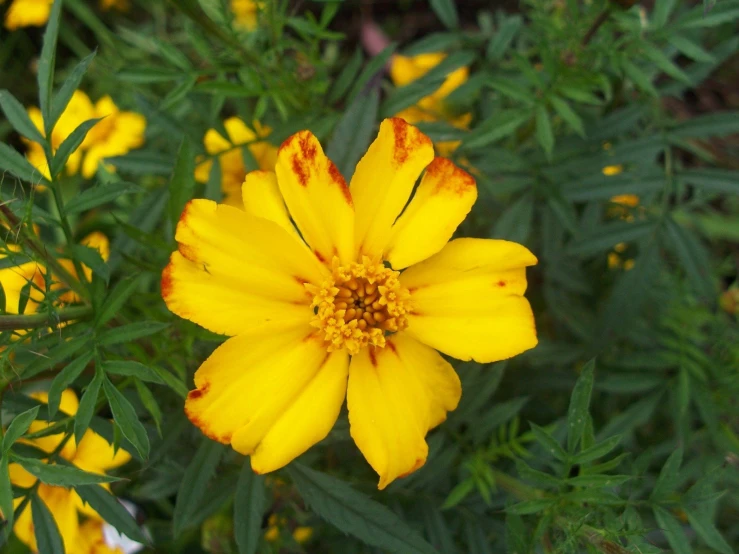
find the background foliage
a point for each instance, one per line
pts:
(635, 451)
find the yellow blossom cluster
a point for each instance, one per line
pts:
(35, 13)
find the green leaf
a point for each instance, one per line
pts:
(72, 83)
(70, 145)
(112, 511)
(694, 257)
(715, 180)
(346, 77)
(661, 12)
(502, 40)
(92, 258)
(356, 514)
(511, 89)
(125, 417)
(96, 196)
(121, 292)
(459, 493)
(48, 539)
(723, 12)
(18, 427)
(514, 223)
(6, 494)
(18, 118)
(182, 184)
(700, 519)
(408, 95)
(500, 125)
(374, 67)
(550, 444)
(64, 379)
(250, 503)
(665, 64)
(640, 79)
(710, 125)
(354, 132)
(605, 237)
(691, 49)
(602, 481)
(61, 475)
(195, 483)
(530, 506)
(130, 332)
(132, 369)
(596, 451)
(577, 414)
(12, 161)
(150, 403)
(55, 355)
(668, 481)
(672, 530)
(544, 134)
(446, 11)
(536, 477)
(87, 405)
(568, 114)
(46, 64)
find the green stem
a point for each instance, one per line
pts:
(33, 321)
(68, 235)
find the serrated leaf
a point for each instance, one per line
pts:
(550, 444)
(672, 530)
(18, 118)
(665, 64)
(446, 11)
(458, 493)
(195, 483)
(182, 184)
(710, 125)
(54, 356)
(374, 66)
(701, 520)
(87, 405)
(500, 125)
(64, 379)
(61, 475)
(150, 403)
(717, 180)
(48, 539)
(356, 514)
(640, 79)
(95, 196)
(18, 427)
(130, 332)
(530, 506)
(125, 417)
(502, 40)
(71, 84)
(91, 258)
(667, 481)
(544, 134)
(112, 511)
(129, 368)
(6, 494)
(536, 477)
(354, 132)
(45, 75)
(12, 161)
(116, 299)
(250, 503)
(578, 411)
(598, 480)
(691, 49)
(605, 237)
(694, 257)
(70, 145)
(596, 451)
(568, 114)
(346, 77)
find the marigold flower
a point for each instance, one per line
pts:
(406, 69)
(228, 150)
(93, 454)
(115, 135)
(35, 13)
(360, 292)
(245, 13)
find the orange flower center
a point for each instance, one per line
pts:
(359, 304)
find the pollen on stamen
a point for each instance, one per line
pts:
(359, 305)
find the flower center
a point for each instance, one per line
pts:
(359, 304)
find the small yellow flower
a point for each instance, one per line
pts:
(27, 13)
(115, 135)
(228, 150)
(302, 534)
(611, 170)
(93, 454)
(628, 200)
(119, 5)
(245, 13)
(404, 70)
(358, 292)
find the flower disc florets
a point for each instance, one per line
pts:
(359, 304)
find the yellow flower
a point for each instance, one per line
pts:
(302, 534)
(404, 70)
(611, 170)
(27, 13)
(311, 308)
(13, 279)
(245, 13)
(116, 134)
(233, 168)
(93, 454)
(120, 5)
(628, 200)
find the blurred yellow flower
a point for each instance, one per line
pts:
(116, 134)
(628, 200)
(311, 308)
(611, 170)
(35, 13)
(245, 13)
(231, 157)
(406, 69)
(302, 534)
(93, 454)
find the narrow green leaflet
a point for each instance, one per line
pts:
(61, 475)
(701, 519)
(57, 354)
(130, 368)
(6, 494)
(374, 66)
(714, 180)
(640, 79)
(112, 511)
(515, 222)
(597, 450)
(710, 125)
(18, 427)
(87, 405)
(92, 258)
(195, 482)
(64, 379)
(125, 417)
(673, 531)
(550, 444)
(500, 125)
(605, 237)
(694, 258)
(72, 83)
(502, 39)
(12, 161)
(95, 196)
(46, 63)
(48, 539)
(566, 112)
(182, 184)
(356, 514)
(544, 134)
(120, 293)
(446, 11)
(665, 64)
(579, 406)
(667, 481)
(18, 117)
(250, 502)
(70, 145)
(132, 331)
(354, 132)
(346, 77)
(150, 403)
(691, 49)
(530, 506)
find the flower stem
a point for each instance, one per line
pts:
(32, 321)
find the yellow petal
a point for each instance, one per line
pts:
(27, 13)
(393, 403)
(96, 455)
(20, 477)
(234, 272)
(261, 196)
(214, 142)
(61, 504)
(317, 197)
(383, 181)
(442, 201)
(468, 300)
(269, 394)
(13, 279)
